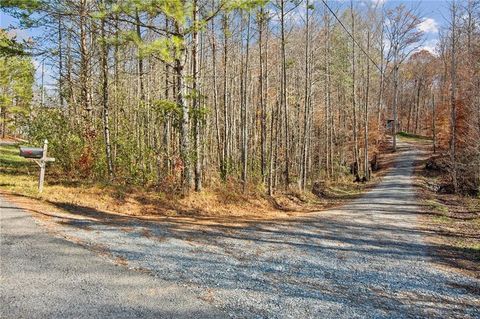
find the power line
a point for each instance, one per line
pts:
(350, 35)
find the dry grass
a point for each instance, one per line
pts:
(225, 202)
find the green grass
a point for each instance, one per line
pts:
(442, 219)
(476, 249)
(9, 155)
(436, 206)
(412, 136)
(17, 174)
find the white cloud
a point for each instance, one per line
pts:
(428, 25)
(430, 46)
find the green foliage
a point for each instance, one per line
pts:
(28, 5)
(340, 61)
(200, 113)
(16, 82)
(10, 46)
(167, 108)
(179, 11)
(244, 4)
(23, 9)
(160, 48)
(166, 49)
(173, 9)
(64, 143)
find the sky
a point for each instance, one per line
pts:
(434, 14)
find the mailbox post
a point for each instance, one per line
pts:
(42, 164)
(40, 157)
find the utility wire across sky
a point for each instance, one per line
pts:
(351, 36)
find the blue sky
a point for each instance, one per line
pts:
(434, 14)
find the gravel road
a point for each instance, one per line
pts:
(42, 276)
(367, 259)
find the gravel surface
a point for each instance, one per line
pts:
(42, 276)
(364, 260)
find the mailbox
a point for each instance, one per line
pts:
(39, 156)
(31, 152)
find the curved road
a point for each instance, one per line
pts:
(367, 259)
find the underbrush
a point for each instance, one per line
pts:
(454, 218)
(226, 200)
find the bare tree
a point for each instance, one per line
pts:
(453, 105)
(404, 36)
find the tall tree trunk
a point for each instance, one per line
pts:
(60, 63)
(395, 101)
(367, 88)
(417, 107)
(166, 120)
(195, 103)
(105, 101)
(434, 133)
(262, 93)
(356, 166)
(85, 99)
(215, 97)
(185, 118)
(306, 97)
(244, 104)
(284, 102)
(139, 113)
(328, 99)
(225, 153)
(453, 104)
(382, 81)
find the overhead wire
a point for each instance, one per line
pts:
(350, 35)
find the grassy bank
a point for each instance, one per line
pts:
(410, 136)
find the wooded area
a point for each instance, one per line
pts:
(270, 94)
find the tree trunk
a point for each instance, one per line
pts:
(434, 133)
(226, 155)
(367, 88)
(262, 94)
(105, 102)
(306, 97)
(244, 105)
(284, 94)
(195, 104)
(394, 106)
(417, 108)
(215, 98)
(185, 119)
(453, 114)
(84, 73)
(356, 166)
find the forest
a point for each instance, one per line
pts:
(239, 159)
(269, 95)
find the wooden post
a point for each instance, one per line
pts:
(43, 162)
(434, 133)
